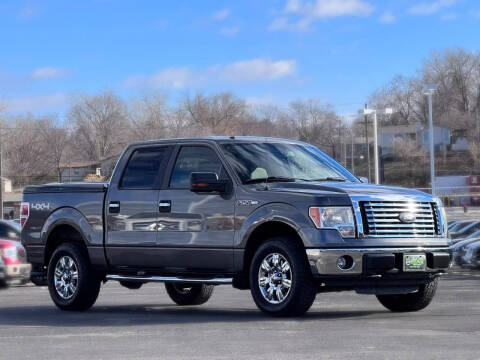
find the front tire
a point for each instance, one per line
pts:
(410, 302)
(280, 278)
(72, 283)
(186, 294)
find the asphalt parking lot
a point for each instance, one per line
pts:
(145, 324)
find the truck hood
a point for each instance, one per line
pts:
(352, 189)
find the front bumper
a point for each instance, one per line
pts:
(372, 261)
(18, 271)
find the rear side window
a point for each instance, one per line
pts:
(194, 159)
(143, 168)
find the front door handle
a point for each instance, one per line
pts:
(114, 207)
(165, 206)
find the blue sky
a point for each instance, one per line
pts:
(270, 51)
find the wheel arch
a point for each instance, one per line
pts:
(70, 225)
(265, 231)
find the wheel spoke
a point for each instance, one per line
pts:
(279, 293)
(263, 281)
(287, 283)
(275, 259)
(266, 266)
(285, 267)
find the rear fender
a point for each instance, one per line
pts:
(92, 238)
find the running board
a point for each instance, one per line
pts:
(210, 281)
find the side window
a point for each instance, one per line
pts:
(142, 168)
(194, 159)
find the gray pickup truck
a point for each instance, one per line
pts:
(278, 217)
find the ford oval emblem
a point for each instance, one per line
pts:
(407, 217)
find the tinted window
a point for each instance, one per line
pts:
(194, 159)
(142, 168)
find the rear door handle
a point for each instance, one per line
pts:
(114, 207)
(165, 206)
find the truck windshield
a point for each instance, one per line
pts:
(282, 161)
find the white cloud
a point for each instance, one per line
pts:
(329, 8)
(174, 77)
(49, 73)
(37, 103)
(238, 72)
(387, 18)
(449, 17)
(305, 14)
(283, 24)
(229, 30)
(257, 69)
(428, 8)
(221, 15)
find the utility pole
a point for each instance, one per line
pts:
(428, 91)
(353, 160)
(368, 145)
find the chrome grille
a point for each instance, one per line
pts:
(382, 218)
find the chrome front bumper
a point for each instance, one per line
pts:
(324, 261)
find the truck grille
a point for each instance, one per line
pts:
(382, 218)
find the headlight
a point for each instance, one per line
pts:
(334, 217)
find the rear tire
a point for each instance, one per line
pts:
(72, 283)
(186, 294)
(410, 302)
(3, 284)
(286, 286)
(132, 285)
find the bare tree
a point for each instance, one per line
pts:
(317, 124)
(55, 137)
(149, 116)
(216, 114)
(24, 151)
(100, 125)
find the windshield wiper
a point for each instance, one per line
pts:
(270, 179)
(328, 178)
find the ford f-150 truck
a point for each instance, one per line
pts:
(278, 217)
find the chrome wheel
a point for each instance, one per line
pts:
(275, 278)
(66, 277)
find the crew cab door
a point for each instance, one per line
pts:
(196, 231)
(132, 209)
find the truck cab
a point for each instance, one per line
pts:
(276, 216)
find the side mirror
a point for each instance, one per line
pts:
(204, 182)
(363, 179)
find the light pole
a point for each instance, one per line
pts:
(375, 137)
(428, 91)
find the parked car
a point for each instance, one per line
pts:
(472, 255)
(455, 224)
(465, 231)
(278, 217)
(14, 258)
(459, 249)
(459, 224)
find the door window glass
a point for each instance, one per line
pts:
(194, 159)
(143, 168)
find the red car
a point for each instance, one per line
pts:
(13, 255)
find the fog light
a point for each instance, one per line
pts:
(345, 262)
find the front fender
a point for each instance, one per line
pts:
(281, 212)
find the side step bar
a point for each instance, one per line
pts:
(210, 281)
